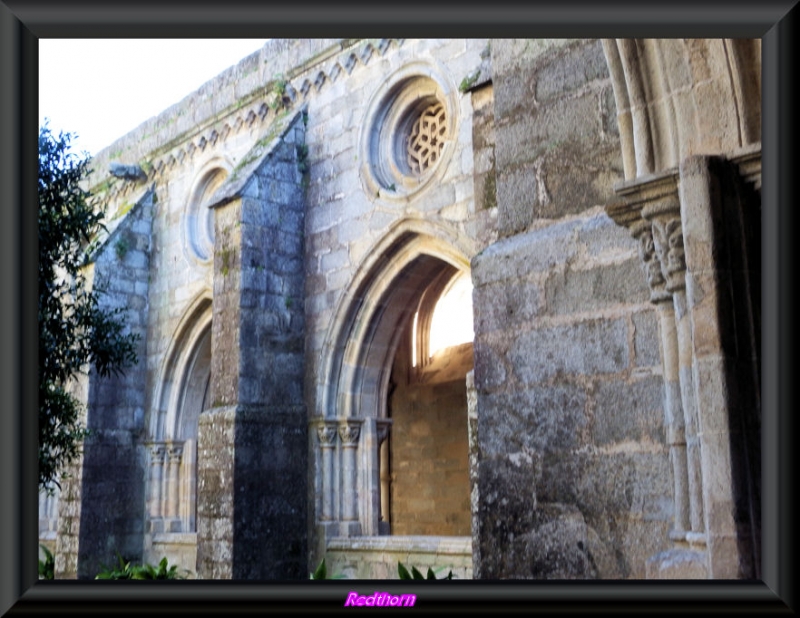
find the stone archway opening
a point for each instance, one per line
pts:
(171, 507)
(392, 448)
(425, 461)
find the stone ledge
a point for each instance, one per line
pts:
(411, 544)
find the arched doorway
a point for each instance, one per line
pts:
(172, 446)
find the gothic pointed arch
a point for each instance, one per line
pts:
(689, 115)
(374, 315)
(181, 394)
(677, 97)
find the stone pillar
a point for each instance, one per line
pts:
(673, 411)
(174, 454)
(384, 523)
(692, 232)
(157, 453)
(327, 441)
(664, 216)
(349, 432)
(252, 486)
(651, 213)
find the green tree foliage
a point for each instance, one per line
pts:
(75, 332)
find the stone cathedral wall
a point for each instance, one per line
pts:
(271, 236)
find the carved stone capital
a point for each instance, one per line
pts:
(643, 232)
(327, 435)
(665, 217)
(157, 452)
(668, 240)
(382, 426)
(175, 452)
(651, 212)
(349, 432)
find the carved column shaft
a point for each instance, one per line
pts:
(349, 433)
(174, 453)
(327, 441)
(668, 244)
(385, 474)
(673, 412)
(157, 452)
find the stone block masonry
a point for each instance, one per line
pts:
(251, 505)
(293, 236)
(103, 496)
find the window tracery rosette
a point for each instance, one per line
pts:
(409, 133)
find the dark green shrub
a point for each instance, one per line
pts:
(403, 572)
(127, 570)
(47, 566)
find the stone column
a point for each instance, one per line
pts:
(383, 426)
(651, 213)
(349, 432)
(157, 452)
(673, 412)
(327, 442)
(174, 454)
(664, 216)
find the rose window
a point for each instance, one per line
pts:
(427, 138)
(408, 134)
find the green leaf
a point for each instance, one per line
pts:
(75, 331)
(402, 571)
(321, 572)
(415, 572)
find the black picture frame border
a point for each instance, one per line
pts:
(22, 23)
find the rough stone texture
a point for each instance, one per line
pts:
(257, 373)
(553, 157)
(568, 462)
(377, 557)
(570, 423)
(430, 483)
(101, 506)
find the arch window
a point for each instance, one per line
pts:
(183, 393)
(392, 453)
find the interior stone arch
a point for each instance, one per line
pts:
(172, 444)
(374, 325)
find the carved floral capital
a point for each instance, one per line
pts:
(327, 435)
(349, 433)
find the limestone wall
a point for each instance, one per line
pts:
(377, 557)
(570, 429)
(320, 245)
(345, 221)
(102, 500)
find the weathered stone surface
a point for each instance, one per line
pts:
(584, 348)
(302, 304)
(576, 291)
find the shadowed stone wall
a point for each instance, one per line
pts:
(429, 450)
(102, 500)
(319, 251)
(251, 452)
(573, 470)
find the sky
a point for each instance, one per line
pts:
(100, 89)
